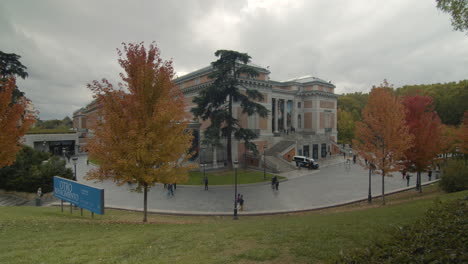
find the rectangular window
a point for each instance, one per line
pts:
(324, 151)
(327, 120)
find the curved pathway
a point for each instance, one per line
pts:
(312, 189)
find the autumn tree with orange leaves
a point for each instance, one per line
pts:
(14, 120)
(382, 137)
(449, 139)
(142, 137)
(463, 137)
(425, 126)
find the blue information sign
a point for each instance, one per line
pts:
(81, 195)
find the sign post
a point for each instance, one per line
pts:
(78, 194)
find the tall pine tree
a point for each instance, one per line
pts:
(216, 102)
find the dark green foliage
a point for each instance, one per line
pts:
(67, 122)
(10, 66)
(449, 98)
(64, 124)
(350, 106)
(440, 237)
(215, 102)
(458, 9)
(455, 177)
(30, 172)
(353, 103)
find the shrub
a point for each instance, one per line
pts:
(440, 237)
(30, 172)
(454, 177)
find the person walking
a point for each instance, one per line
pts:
(407, 179)
(354, 159)
(238, 199)
(170, 189)
(273, 182)
(87, 162)
(276, 184)
(241, 203)
(403, 174)
(205, 180)
(175, 186)
(429, 174)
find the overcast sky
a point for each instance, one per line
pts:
(355, 44)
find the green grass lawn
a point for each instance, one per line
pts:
(45, 235)
(227, 177)
(223, 177)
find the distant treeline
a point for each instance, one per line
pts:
(450, 102)
(54, 124)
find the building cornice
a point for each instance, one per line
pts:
(290, 83)
(318, 93)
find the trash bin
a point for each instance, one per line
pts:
(38, 202)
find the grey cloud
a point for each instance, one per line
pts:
(356, 44)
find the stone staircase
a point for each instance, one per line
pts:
(278, 165)
(279, 147)
(10, 200)
(273, 159)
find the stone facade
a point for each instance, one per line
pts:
(301, 110)
(83, 121)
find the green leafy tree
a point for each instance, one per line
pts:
(353, 103)
(455, 177)
(346, 126)
(31, 170)
(449, 98)
(216, 102)
(458, 9)
(67, 122)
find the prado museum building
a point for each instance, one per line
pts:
(301, 120)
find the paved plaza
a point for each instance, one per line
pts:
(303, 189)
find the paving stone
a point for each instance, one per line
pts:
(304, 189)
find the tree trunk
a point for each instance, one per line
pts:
(145, 201)
(229, 140)
(369, 197)
(420, 182)
(383, 188)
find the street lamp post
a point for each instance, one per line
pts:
(235, 163)
(75, 160)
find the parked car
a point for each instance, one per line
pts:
(305, 162)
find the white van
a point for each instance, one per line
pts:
(305, 162)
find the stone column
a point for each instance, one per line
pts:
(276, 114)
(294, 114)
(285, 114)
